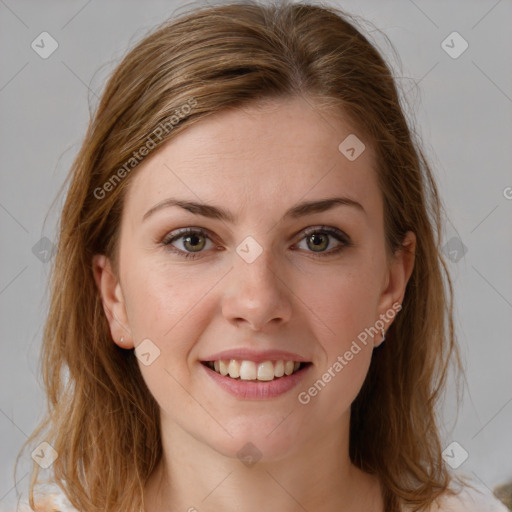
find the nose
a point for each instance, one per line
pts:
(256, 294)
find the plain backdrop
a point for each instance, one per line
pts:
(461, 106)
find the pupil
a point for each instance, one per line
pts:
(194, 241)
(318, 240)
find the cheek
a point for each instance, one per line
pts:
(333, 390)
(344, 304)
(341, 306)
(161, 300)
(168, 306)
(344, 310)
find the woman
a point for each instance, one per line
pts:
(248, 308)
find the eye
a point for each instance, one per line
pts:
(319, 239)
(188, 241)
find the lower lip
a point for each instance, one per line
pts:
(257, 390)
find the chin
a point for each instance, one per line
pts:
(263, 440)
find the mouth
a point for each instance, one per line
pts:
(246, 370)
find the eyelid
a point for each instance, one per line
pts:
(335, 232)
(178, 233)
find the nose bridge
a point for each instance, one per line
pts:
(255, 292)
(255, 257)
(262, 270)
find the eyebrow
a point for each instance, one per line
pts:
(216, 212)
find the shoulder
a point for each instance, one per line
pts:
(48, 497)
(469, 499)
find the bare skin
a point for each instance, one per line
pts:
(307, 298)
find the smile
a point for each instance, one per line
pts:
(249, 370)
(248, 380)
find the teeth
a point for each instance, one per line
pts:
(223, 367)
(234, 369)
(266, 371)
(249, 370)
(279, 369)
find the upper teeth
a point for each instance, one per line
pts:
(249, 370)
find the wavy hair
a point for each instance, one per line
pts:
(105, 426)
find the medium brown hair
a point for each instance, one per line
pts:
(105, 426)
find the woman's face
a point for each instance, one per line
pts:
(273, 265)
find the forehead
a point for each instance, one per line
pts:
(270, 154)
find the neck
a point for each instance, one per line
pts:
(319, 476)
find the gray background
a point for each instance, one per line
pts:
(461, 108)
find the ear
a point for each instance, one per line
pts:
(398, 274)
(113, 301)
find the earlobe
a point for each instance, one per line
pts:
(113, 300)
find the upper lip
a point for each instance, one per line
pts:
(258, 356)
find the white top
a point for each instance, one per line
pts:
(52, 499)
(469, 500)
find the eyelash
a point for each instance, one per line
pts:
(335, 233)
